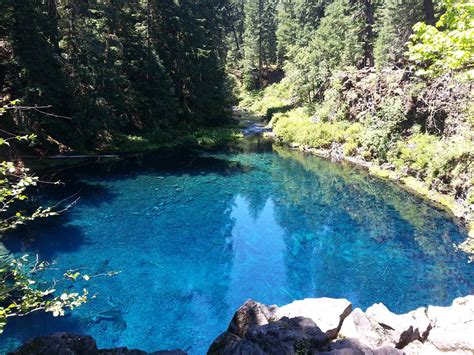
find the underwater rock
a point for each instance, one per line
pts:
(74, 344)
(327, 313)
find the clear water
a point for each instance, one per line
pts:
(195, 235)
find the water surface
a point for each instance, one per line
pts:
(196, 234)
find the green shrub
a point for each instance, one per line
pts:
(383, 130)
(418, 152)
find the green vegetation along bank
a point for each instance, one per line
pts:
(386, 85)
(415, 131)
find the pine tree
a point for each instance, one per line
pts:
(395, 22)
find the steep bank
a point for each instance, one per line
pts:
(413, 131)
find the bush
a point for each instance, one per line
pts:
(383, 129)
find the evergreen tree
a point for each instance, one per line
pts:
(260, 42)
(395, 22)
(335, 45)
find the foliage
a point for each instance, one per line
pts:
(272, 99)
(111, 67)
(259, 40)
(396, 19)
(297, 126)
(334, 45)
(20, 293)
(383, 129)
(449, 45)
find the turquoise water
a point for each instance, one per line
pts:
(195, 235)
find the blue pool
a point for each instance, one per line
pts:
(196, 234)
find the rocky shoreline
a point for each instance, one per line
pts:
(461, 211)
(313, 326)
(331, 326)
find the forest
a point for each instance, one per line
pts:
(385, 85)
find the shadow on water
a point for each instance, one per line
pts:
(46, 239)
(172, 162)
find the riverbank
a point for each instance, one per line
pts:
(460, 210)
(416, 132)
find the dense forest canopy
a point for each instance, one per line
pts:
(109, 66)
(98, 69)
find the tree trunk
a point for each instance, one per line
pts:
(260, 44)
(53, 14)
(429, 12)
(369, 34)
(148, 23)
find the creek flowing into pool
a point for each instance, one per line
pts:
(195, 234)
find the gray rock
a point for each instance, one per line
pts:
(403, 328)
(74, 344)
(251, 313)
(453, 326)
(231, 344)
(355, 347)
(289, 336)
(59, 344)
(327, 313)
(357, 325)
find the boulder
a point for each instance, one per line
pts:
(285, 336)
(59, 344)
(251, 313)
(357, 325)
(453, 326)
(289, 336)
(327, 313)
(74, 344)
(404, 328)
(418, 348)
(231, 344)
(355, 347)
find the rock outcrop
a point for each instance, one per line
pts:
(327, 313)
(313, 326)
(330, 326)
(74, 344)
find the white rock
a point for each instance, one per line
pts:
(403, 328)
(453, 327)
(327, 313)
(357, 325)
